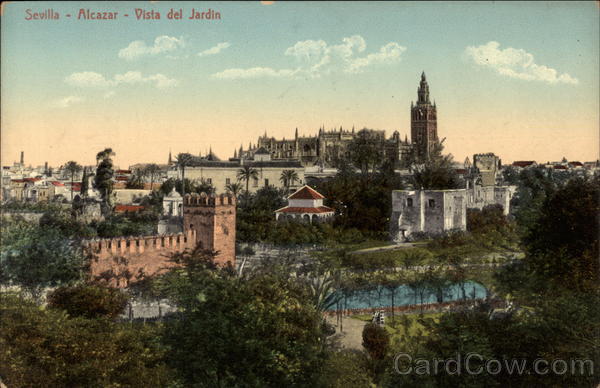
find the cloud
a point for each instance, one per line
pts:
(138, 48)
(515, 63)
(67, 101)
(90, 79)
(316, 57)
(215, 49)
(253, 72)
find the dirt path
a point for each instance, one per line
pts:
(351, 337)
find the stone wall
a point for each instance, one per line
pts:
(122, 260)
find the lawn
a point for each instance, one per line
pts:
(403, 324)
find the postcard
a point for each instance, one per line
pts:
(273, 193)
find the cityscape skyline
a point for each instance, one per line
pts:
(516, 79)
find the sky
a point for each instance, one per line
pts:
(519, 79)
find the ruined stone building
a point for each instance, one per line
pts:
(209, 223)
(437, 211)
(427, 211)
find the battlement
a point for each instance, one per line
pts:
(123, 246)
(212, 200)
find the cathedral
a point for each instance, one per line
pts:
(330, 146)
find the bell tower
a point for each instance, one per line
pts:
(423, 123)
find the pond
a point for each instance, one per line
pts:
(403, 295)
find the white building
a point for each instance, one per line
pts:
(437, 211)
(172, 204)
(305, 204)
(220, 173)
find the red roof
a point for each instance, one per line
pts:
(121, 178)
(523, 163)
(123, 171)
(32, 179)
(579, 164)
(306, 193)
(320, 209)
(461, 170)
(128, 208)
(559, 167)
(56, 183)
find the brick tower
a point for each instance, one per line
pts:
(423, 123)
(213, 219)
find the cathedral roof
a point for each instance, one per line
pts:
(261, 151)
(306, 192)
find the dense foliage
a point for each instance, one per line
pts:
(35, 257)
(554, 291)
(89, 301)
(47, 348)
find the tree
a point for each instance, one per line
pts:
(152, 171)
(84, 183)
(366, 151)
(261, 322)
(345, 369)
(72, 168)
(234, 188)
(136, 181)
(104, 176)
(35, 257)
(436, 172)
(205, 187)
(288, 177)
(183, 160)
(246, 173)
(89, 301)
(376, 341)
(562, 245)
(44, 347)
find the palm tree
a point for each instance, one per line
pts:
(234, 188)
(246, 173)
(183, 160)
(72, 168)
(288, 177)
(152, 171)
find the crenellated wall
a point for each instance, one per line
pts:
(121, 260)
(209, 222)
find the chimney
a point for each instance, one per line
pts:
(22, 158)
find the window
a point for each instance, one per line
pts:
(432, 203)
(209, 181)
(255, 183)
(409, 202)
(227, 181)
(266, 182)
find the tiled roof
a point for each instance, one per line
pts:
(306, 193)
(128, 208)
(57, 183)
(320, 209)
(123, 172)
(523, 163)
